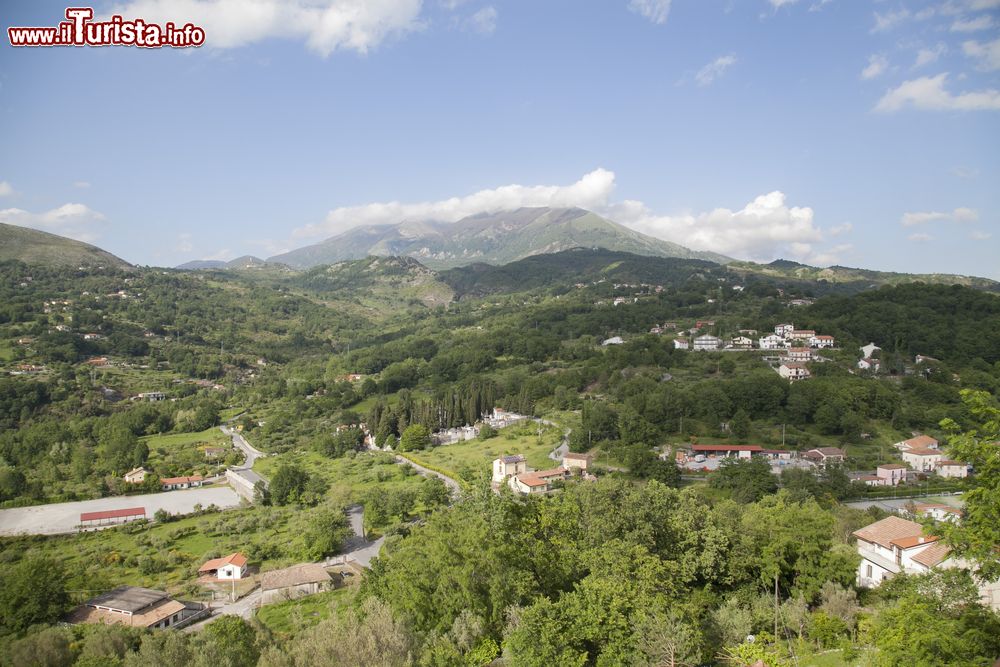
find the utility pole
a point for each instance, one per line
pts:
(776, 605)
(782, 436)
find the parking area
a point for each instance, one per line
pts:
(64, 517)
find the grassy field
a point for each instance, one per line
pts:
(351, 477)
(470, 459)
(287, 619)
(184, 453)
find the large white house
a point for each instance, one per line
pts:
(772, 342)
(821, 341)
(707, 342)
(923, 460)
(895, 545)
(792, 371)
(955, 469)
(784, 329)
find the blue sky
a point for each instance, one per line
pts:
(858, 132)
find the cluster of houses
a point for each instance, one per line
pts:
(797, 345)
(513, 471)
(708, 457)
(920, 455)
(148, 608)
(895, 545)
(497, 419)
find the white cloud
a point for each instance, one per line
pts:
(980, 235)
(928, 56)
(845, 228)
(484, 21)
(920, 238)
(967, 173)
(75, 221)
(325, 25)
(656, 11)
(592, 191)
(764, 229)
(81, 184)
(778, 4)
(961, 214)
(877, 65)
(6, 189)
(928, 93)
(889, 19)
(987, 53)
(713, 70)
(984, 22)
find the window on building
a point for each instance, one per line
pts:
(869, 571)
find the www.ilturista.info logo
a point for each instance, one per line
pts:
(80, 30)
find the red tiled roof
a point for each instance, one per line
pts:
(237, 559)
(892, 466)
(925, 452)
(933, 554)
(888, 529)
(921, 442)
(914, 540)
(181, 480)
(112, 514)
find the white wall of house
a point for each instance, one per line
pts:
(921, 462)
(231, 571)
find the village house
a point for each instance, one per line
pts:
(151, 396)
(821, 342)
(506, 467)
(681, 344)
(800, 335)
(701, 324)
(91, 336)
(573, 460)
(294, 582)
(952, 469)
(742, 343)
(936, 511)
(869, 364)
(174, 483)
(213, 453)
(772, 342)
(783, 330)
(894, 545)
(233, 566)
(869, 480)
(136, 476)
(923, 460)
(798, 354)
(538, 481)
(893, 473)
(707, 342)
(656, 331)
(825, 455)
(614, 340)
(917, 442)
(134, 607)
(793, 371)
(924, 359)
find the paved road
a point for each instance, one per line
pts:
(250, 452)
(58, 518)
(452, 485)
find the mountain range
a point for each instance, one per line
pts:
(491, 238)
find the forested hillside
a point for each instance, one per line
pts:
(648, 561)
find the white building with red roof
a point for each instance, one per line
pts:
(233, 566)
(917, 442)
(895, 545)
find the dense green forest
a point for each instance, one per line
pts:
(644, 566)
